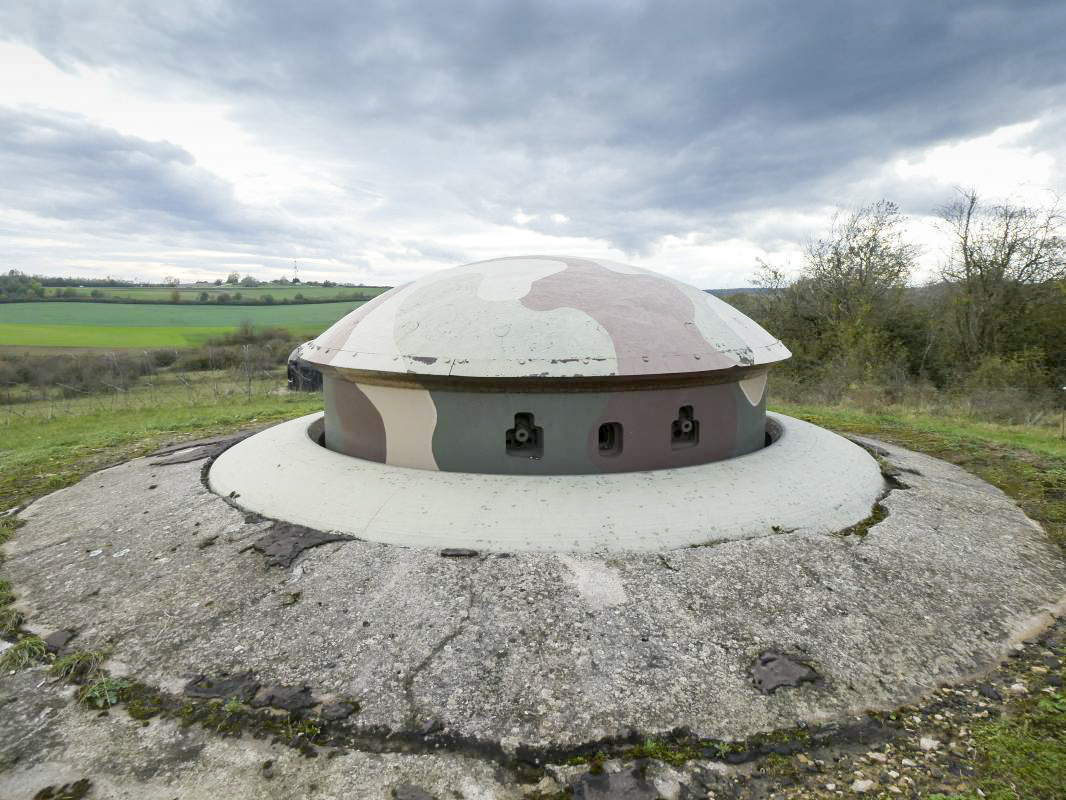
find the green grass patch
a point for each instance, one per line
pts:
(105, 692)
(79, 666)
(1023, 756)
(40, 454)
(26, 651)
(114, 325)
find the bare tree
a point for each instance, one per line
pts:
(996, 253)
(861, 262)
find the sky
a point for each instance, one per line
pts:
(375, 142)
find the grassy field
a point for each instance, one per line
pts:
(107, 325)
(191, 294)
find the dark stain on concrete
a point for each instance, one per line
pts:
(68, 791)
(187, 452)
(242, 685)
(288, 698)
(408, 791)
(773, 670)
(285, 541)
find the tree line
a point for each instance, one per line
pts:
(994, 316)
(17, 287)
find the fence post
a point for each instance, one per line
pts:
(1062, 412)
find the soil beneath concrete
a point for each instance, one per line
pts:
(416, 671)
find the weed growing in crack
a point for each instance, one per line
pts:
(10, 621)
(80, 666)
(104, 692)
(28, 650)
(7, 528)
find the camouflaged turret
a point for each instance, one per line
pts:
(545, 365)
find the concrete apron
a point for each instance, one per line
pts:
(542, 649)
(809, 480)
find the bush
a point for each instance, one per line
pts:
(1023, 370)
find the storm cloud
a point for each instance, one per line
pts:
(433, 132)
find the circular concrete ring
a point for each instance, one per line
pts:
(809, 480)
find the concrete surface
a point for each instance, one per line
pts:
(808, 481)
(497, 650)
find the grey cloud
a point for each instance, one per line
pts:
(63, 167)
(635, 119)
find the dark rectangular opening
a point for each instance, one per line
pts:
(610, 438)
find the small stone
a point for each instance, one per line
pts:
(1039, 669)
(339, 710)
(831, 787)
(862, 785)
(880, 758)
(928, 743)
(1019, 688)
(989, 691)
(1051, 662)
(287, 698)
(57, 640)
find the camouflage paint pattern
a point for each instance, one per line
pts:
(462, 431)
(432, 374)
(543, 316)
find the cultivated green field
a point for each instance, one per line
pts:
(117, 326)
(191, 294)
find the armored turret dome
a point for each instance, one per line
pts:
(544, 317)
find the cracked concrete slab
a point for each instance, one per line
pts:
(533, 650)
(52, 741)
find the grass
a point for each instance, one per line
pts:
(1023, 757)
(114, 325)
(26, 651)
(39, 454)
(104, 692)
(80, 665)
